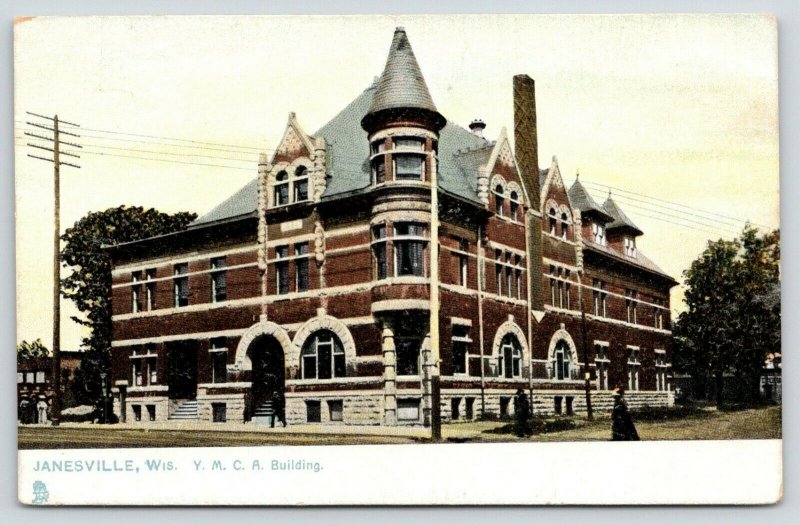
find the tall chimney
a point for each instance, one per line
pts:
(526, 145)
(526, 141)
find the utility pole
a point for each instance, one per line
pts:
(436, 387)
(586, 373)
(57, 163)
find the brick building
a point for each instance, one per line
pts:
(35, 385)
(315, 278)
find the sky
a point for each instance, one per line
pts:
(683, 108)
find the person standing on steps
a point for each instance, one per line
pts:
(279, 406)
(622, 427)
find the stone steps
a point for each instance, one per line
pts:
(188, 410)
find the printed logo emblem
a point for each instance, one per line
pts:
(40, 493)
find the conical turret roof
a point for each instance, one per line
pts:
(401, 85)
(580, 199)
(621, 221)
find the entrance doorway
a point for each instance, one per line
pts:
(268, 375)
(182, 370)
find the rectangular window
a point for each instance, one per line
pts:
(409, 143)
(151, 412)
(409, 249)
(219, 368)
(630, 246)
(633, 368)
(39, 377)
(219, 287)
(461, 343)
(20, 377)
(407, 349)
(282, 269)
(505, 401)
(408, 409)
(180, 284)
(301, 267)
(463, 246)
(281, 196)
(150, 289)
(335, 410)
(379, 169)
(137, 412)
(599, 233)
(470, 408)
(409, 167)
(601, 365)
(301, 190)
(313, 412)
(136, 292)
(219, 412)
(379, 249)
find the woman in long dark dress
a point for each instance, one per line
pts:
(622, 427)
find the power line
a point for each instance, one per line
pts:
(165, 138)
(678, 215)
(620, 190)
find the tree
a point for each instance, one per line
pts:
(89, 284)
(732, 319)
(32, 350)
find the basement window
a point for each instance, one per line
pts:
(408, 409)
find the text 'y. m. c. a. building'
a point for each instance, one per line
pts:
(314, 280)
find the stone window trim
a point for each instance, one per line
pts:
(559, 336)
(325, 352)
(295, 177)
(510, 327)
(144, 366)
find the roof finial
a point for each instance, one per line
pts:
(609, 192)
(578, 175)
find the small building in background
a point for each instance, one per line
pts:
(35, 385)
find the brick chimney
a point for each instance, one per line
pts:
(526, 141)
(526, 145)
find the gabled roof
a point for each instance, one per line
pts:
(347, 162)
(579, 198)
(401, 85)
(621, 221)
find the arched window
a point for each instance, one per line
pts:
(301, 184)
(562, 360)
(499, 200)
(281, 188)
(323, 356)
(510, 358)
(553, 221)
(564, 226)
(514, 201)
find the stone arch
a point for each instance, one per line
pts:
(564, 210)
(511, 327)
(242, 361)
(498, 180)
(322, 322)
(562, 335)
(514, 187)
(551, 205)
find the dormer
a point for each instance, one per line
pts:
(594, 218)
(622, 232)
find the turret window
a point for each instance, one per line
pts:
(599, 233)
(409, 167)
(630, 246)
(409, 248)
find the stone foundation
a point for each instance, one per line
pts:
(357, 408)
(161, 405)
(234, 406)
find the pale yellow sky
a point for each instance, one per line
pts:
(681, 107)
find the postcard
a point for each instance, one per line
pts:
(398, 260)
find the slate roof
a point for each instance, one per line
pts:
(460, 154)
(580, 199)
(401, 85)
(621, 221)
(641, 260)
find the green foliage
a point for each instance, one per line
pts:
(732, 321)
(89, 284)
(32, 350)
